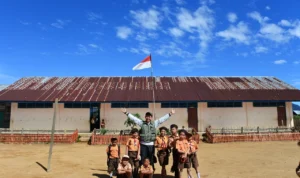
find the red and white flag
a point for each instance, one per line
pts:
(146, 63)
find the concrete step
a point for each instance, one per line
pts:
(84, 137)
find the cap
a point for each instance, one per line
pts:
(125, 156)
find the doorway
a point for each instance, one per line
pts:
(281, 113)
(94, 117)
(5, 115)
(193, 118)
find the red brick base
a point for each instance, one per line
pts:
(256, 137)
(105, 139)
(38, 138)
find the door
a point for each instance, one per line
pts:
(281, 116)
(1, 119)
(193, 118)
(95, 116)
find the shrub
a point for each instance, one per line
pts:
(103, 131)
(78, 138)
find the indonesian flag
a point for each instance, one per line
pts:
(146, 63)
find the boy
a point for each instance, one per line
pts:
(146, 169)
(182, 146)
(193, 160)
(124, 168)
(133, 151)
(172, 143)
(161, 143)
(113, 155)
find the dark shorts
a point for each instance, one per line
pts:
(132, 159)
(147, 176)
(123, 176)
(193, 160)
(182, 165)
(112, 164)
(163, 157)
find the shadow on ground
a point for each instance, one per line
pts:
(41, 166)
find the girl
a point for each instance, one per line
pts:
(182, 146)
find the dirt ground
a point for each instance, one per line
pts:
(230, 160)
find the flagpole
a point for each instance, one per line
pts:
(153, 93)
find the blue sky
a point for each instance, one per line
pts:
(185, 38)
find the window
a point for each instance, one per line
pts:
(179, 105)
(35, 105)
(224, 104)
(81, 105)
(268, 104)
(130, 105)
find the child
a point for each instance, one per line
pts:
(133, 151)
(193, 147)
(161, 143)
(113, 155)
(146, 169)
(182, 146)
(124, 168)
(172, 144)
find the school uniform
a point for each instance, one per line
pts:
(148, 168)
(193, 160)
(182, 145)
(162, 150)
(113, 159)
(126, 167)
(133, 145)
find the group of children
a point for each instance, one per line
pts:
(179, 143)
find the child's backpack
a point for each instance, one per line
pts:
(108, 153)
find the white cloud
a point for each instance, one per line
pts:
(7, 79)
(60, 23)
(207, 2)
(238, 33)
(297, 62)
(274, 33)
(167, 63)
(141, 49)
(295, 31)
(285, 23)
(296, 82)
(244, 54)
(232, 17)
(82, 50)
(268, 8)
(180, 2)
(176, 32)
(147, 19)
(123, 32)
(256, 16)
(261, 49)
(93, 16)
(202, 22)
(93, 46)
(24, 23)
(171, 49)
(281, 61)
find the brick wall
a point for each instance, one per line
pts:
(256, 137)
(38, 138)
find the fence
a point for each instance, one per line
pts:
(98, 138)
(252, 135)
(37, 136)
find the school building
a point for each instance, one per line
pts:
(199, 101)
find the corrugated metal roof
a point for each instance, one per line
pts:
(107, 89)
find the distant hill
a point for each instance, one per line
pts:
(296, 107)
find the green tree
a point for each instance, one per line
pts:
(130, 123)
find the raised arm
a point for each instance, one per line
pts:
(164, 118)
(136, 120)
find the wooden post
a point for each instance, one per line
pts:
(52, 135)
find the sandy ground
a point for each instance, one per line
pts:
(234, 160)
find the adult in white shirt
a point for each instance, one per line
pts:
(148, 132)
